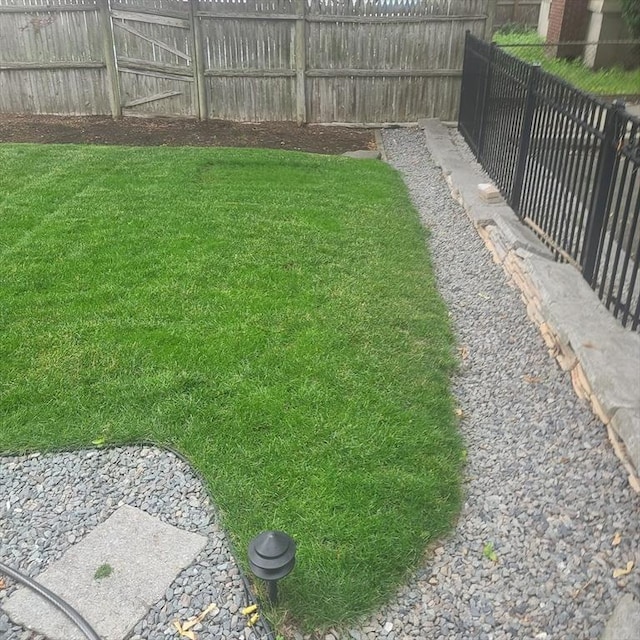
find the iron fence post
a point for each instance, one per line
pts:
(464, 83)
(525, 137)
(485, 101)
(606, 165)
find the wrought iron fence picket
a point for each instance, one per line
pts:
(567, 163)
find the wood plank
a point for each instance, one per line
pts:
(152, 11)
(384, 73)
(156, 42)
(155, 74)
(150, 18)
(157, 96)
(159, 67)
(520, 3)
(61, 64)
(394, 19)
(250, 73)
(198, 53)
(113, 80)
(227, 15)
(48, 8)
(491, 19)
(337, 18)
(300, 48)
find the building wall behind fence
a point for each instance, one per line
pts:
(306, 60)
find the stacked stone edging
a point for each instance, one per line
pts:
(603, 358)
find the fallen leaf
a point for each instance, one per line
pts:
(459, 412)
(617, 573)
(252, 621)
(185, 629)
(199, 618)
(98, 443)
(463, 351)
(3, 584)
(183, 633)
(531, 379)
(617, 538)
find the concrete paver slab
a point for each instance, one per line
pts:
(144, 554)
(624, 624)
(626, 423)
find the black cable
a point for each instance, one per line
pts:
(53, 599)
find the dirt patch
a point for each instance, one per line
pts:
(177, 132)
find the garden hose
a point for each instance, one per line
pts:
(53, 599)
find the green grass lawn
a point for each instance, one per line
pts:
(272, 315)
(609, 82)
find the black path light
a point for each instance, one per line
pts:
(272, 555)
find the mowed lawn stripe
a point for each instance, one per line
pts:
(272, 315)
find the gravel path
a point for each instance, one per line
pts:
(542, 484)
(49, 502)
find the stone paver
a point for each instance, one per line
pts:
(144, 554)
(625, 621)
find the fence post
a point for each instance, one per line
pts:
(108, 47)
(525, 137)
(462, 103)
(485, 100)
(606, 165)
(491, 19)
(197, 61)
(301, 61)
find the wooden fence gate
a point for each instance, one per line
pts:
(154, 59)
(360, 61)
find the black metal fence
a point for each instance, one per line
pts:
(568, 165)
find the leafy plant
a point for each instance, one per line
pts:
(489, 552)
(103, 571)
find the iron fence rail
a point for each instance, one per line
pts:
(567, 163)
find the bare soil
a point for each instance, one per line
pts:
(181, 132)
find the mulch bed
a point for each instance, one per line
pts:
(179, 132)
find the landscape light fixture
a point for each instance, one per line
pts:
(272, 555)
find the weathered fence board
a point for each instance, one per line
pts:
(304, 60)
(523, 13)
(51, 58)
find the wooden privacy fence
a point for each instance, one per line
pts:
(523, 13)
(252, 60)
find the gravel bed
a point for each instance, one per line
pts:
(49, 502)
(542, 487)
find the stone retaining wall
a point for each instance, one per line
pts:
(603, 358)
